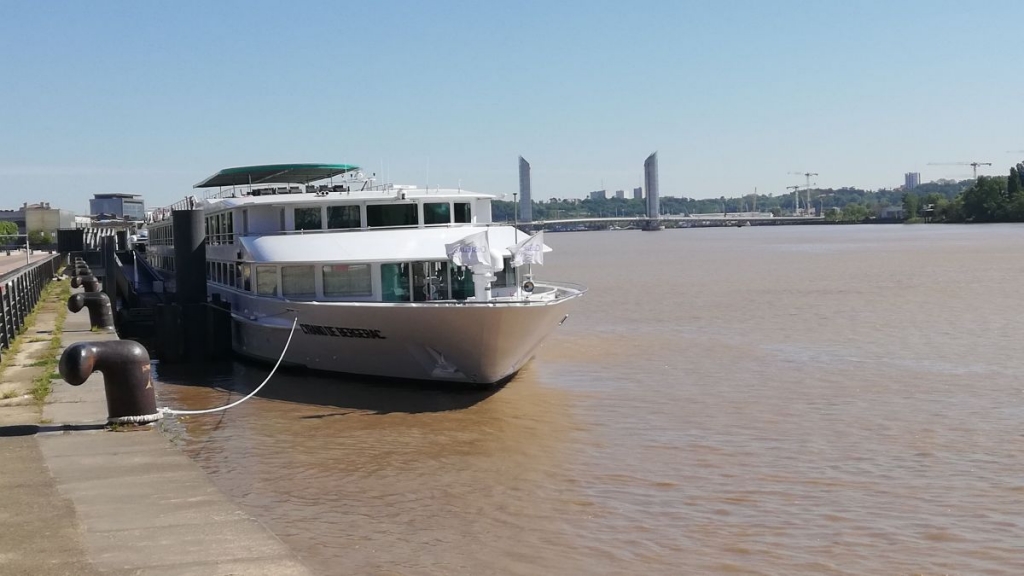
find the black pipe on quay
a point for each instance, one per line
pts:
(131, 398)
(101, 314)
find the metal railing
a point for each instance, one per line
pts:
(20, 291)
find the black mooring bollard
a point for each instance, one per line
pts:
(131, 398)
(90, 283)
(101, 314)
(79, 281)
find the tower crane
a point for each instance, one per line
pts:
(807, 189)
(796, 198)
(973, 165)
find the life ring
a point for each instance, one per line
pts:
(528, 286)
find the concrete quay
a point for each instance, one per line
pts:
(79, 499)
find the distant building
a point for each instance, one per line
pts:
(525, 202)
(911, 180)
(119, 206)
(891, 213)
(651, 183)
(638, 193)
(599, 195)
(39, 217)
(620, 194)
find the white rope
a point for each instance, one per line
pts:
(251, 394)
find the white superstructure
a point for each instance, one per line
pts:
(372, 273)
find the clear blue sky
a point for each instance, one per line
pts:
(151, 97)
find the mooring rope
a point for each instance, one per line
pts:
(166, 410)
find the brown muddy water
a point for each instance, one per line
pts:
(792, 400)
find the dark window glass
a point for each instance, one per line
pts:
(343, 217)
(462, 283)
(394, 282)
(436, 213)
(391, 215)
(462, 213)
(307, 219)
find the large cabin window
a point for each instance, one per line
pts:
(394, 282)
(390, 215)
(342, 280)
(266, 280)
(463, 213)
(298, 282)
(308, 219)
(343, 217)
(437, 213)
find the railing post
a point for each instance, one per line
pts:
(16, 304)
(4, 340)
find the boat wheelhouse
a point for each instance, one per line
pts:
(384, 280)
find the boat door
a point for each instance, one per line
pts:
(430, 281)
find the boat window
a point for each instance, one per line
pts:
(429, 281)
(282, 219)
(390, 215)
(347, 280)
(230, 230)
(232, 275)
(343, 217)
(437, 213)
(266, 280)
(298, 282)
(463, 214)
(245, 283)
(462, 283)
(245, 221)
(394, 282)
(504, 278)
(308, 219)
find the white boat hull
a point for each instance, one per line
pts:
(476, 343)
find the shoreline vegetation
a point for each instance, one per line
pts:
(987, 199)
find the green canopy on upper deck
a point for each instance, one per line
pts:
(275, 173)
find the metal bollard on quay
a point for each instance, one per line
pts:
(101, 313)
(89, 282)
(131, 398)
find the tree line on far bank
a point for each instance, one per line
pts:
(839, 203)
(988, 199)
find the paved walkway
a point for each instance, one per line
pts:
(76, 499)
(17, 259)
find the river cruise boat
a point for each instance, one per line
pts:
(384, 280)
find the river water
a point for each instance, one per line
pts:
(789, 400)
